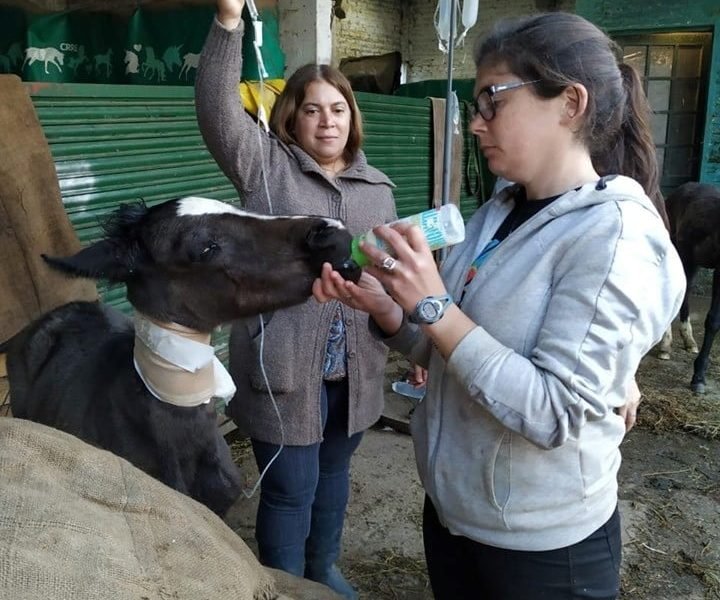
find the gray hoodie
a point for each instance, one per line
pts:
(517, 440)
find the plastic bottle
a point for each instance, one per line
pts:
(442, 227)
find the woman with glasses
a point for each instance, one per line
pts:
(535, 325)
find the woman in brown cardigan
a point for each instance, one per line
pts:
(323, 366)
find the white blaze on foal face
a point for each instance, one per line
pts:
(197, 206)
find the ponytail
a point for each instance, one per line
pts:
(632, 152)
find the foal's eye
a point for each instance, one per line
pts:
(209, 250)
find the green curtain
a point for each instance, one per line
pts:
(72, 47)
(12, 40)
(163, 47)
(152, 47)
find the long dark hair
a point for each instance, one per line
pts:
(561, 49)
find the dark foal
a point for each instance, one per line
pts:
(694, 214)
(189, 265)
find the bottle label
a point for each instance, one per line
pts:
(429, 222)
(441, 227)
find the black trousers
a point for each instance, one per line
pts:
(462, 569)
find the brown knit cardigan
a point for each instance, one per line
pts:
(295, 338)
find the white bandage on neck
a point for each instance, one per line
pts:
(178, 365)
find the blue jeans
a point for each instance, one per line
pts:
(462, 569)
(304, 494)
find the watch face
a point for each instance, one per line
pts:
(430, 310)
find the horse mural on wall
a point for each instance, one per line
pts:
(158, 67)
(104, 60)
(190, 61)
(11, 59)
(132, 62)
(171, 57)
(153, 66)
(80, 59)
(47, 55)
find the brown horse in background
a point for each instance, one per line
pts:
(694, 214)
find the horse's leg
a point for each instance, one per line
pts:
(685, 327)
(666, 344)
(712, 324)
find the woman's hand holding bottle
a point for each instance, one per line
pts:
(412, 276)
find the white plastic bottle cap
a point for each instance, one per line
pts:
(453, 224)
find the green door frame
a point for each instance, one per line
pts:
(678, 98)
(670, 16)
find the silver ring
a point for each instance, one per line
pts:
(388, 264)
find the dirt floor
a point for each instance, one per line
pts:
(669, 491)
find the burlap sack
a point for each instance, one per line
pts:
(32, 218)
(78, 523)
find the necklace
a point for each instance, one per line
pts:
(333, 169)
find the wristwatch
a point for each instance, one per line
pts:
(430, 309)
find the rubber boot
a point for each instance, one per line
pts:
(322, 549)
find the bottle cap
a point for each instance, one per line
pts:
(356, 254)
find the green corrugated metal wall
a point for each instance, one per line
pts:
(114, 144)
(398, 141)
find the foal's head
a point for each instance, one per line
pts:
(201, 262)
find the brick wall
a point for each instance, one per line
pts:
(420, 48)
(370, 27)
(379, 26)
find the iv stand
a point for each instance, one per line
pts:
(449, 105)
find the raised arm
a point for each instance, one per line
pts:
(233, 138)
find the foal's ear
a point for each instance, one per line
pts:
(102, 260)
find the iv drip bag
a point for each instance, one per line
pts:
(469, 13)
(469, 18)
(442, 23)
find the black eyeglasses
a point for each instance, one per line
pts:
(484, 103)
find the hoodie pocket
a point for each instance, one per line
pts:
(499, 472)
